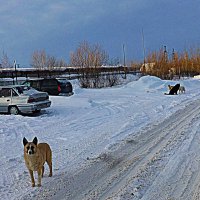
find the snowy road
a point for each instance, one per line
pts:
(162, 162)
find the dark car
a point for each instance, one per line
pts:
(52, 86)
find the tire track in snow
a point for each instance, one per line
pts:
(81, 147)
(162, 141)
(174, 181)
(179, 137)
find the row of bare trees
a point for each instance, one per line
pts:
(90, 57)
(163, 65)
(85, 56)
(40, 60)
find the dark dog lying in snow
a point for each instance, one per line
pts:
(174, 89)
(181, 88)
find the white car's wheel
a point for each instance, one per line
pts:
(13, 110)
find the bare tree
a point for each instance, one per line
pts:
(5, 62)
(90, 58)
(51, 62)
(39, 59)
(87, 55)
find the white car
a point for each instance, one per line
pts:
(16, 99)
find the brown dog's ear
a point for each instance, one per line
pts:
(35, 140)
(25, 141)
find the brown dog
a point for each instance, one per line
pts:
(35, 156)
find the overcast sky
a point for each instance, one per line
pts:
(59, 26)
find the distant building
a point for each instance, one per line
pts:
(147, 67)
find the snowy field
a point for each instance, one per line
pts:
(125, 142)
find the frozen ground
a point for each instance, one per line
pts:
(127, 142)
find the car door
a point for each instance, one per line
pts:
(5, 99)
(50, 86)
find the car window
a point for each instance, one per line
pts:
(27, 83)
(35, 84)
(62, 80)
(5, 92)
(14, 93)
(50, 82)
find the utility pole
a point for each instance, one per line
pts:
(15, 66)
(165, 54)
(124, 58)
(143, 45)
(124, 55)
(173, 54)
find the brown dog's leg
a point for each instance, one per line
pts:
(50, 168)
(49, 162)
(42, 171)
(32, 178)
(39, 176)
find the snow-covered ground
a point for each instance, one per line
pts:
(125, 142)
